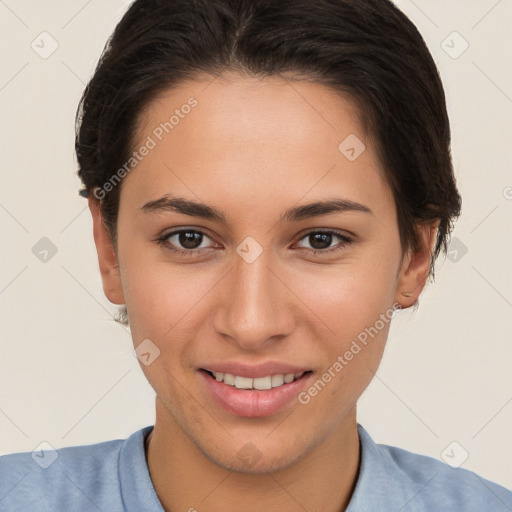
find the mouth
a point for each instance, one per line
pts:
(253, 396)
(256, 383)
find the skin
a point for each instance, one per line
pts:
(254, 148)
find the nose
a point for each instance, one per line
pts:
(254, 307)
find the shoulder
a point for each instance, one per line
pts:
(422, 483)
(70, 478)
(441, 485)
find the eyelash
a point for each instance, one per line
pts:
(163, 241)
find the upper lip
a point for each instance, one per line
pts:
(254, 370)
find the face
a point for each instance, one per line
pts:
(256, 285)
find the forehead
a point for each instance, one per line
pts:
(235, 106)
(254, 138)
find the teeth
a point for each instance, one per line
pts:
(243, 383)
(277, 380)
(228, 378)
(262, 383)
(259, 383)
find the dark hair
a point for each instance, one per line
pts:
(367, 50)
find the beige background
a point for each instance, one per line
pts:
(68, 374)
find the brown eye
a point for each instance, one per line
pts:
(320, 241)
(186, 242)
(189, 239)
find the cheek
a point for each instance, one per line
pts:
(156, 294)
(354, 301)
(358, 312)
(352, 296)
(165, 302)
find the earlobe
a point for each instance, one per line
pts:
(107, 259)
(415, 267)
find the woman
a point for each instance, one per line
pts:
(269, 181)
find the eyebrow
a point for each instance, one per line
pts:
(196, 209)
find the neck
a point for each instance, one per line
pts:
(185, 479)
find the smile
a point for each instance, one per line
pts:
(257, 383)
(253, 396)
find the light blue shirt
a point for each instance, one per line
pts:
(113, 476)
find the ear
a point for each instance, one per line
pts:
(109, 267)
(415, 266)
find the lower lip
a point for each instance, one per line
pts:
(253, 403)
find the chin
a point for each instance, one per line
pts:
(258, 467)
(253, 458)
